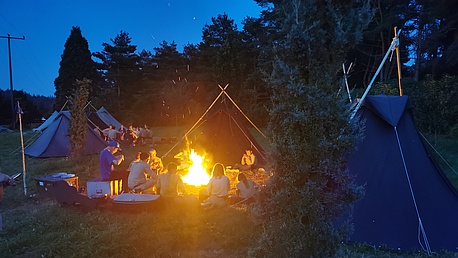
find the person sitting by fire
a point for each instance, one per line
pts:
(217, 188)
(247, 162)
(141, 177)
(155, 162)
(122, 133)
(183, 157)
(170, 183)
(246, 189)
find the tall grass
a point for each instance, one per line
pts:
(445, 151)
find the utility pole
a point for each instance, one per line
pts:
(13, 116)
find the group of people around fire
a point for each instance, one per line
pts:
(147, 174)
(132, 135)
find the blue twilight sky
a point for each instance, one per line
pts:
(46, 25)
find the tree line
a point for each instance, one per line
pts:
(166, 86)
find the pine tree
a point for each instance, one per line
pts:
(76, 64)
(120, 68)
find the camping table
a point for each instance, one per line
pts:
(46, 182)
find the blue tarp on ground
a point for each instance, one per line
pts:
(405, 189)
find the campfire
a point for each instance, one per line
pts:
(197, 174)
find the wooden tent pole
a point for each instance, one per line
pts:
(398, 61)
(19, 111)
(198, 121)
(235, 104)
(393, 44)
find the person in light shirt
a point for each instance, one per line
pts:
(141, 177)
(246, 189)
(218, 188)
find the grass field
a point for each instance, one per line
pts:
(37, 226)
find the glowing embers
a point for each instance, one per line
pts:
(197, 174)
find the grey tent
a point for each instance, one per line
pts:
(46, 123)
(107, 118)
(409, 203)
(54, 142)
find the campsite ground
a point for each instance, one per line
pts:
(37, 226)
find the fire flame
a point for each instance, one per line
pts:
(197, 174)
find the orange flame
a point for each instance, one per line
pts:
(197, 174)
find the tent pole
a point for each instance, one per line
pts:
(198, 121)
(63, 106)
(235, 104)
(398, 61)
(394, 43)
(346, 79)
(19, 111)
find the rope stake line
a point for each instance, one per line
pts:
(421, 229)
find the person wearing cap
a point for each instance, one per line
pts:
(155, 162)
(107, 163)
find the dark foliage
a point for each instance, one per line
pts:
(309, 129)
(76, 64)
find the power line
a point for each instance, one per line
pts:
(13, 117)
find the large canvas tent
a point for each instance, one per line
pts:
(46, 123)
(409, 204)
(54, 142)
(222, 133)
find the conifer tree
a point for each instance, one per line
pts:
(120, 68)
(77, 130)
(76, 64)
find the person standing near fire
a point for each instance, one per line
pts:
(107, 162)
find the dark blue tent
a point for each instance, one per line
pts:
(409, 204)
(53, 142)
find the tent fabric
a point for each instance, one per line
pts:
(46, 123)
(53, 142)
(107, 118)
(405, 190)
(94, 120)
(222, 134)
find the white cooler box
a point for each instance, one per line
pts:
(99, 189)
